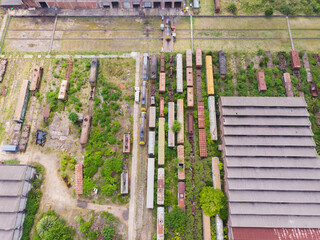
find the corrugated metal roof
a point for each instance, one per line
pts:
(12, 204)
(271, 166)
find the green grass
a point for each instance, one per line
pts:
(11, 162)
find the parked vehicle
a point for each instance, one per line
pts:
(145, 66)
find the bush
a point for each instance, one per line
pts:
(269, 12)
(286, 9)
(73, 117)
(176, 220)
(176, 127)
(108, 232)
(232, 8)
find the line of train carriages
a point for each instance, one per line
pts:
(196, 6)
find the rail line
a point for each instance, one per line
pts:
(82, 30)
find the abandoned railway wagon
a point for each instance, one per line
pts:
(93, 72)
(144, 96)
(171, 134)
(151, 142)
(145, 66)
(181, 167)
(63, 90)
(69, 68)
(126, 143)
(179, 73)
(201, 123)
(161, 141)
(189, 58)
(161, 113)
(181, 195)
(36, 77)
(198, 58)
(152, 100)
(85, 131)
(3, 65)
(295, 60)
(189, 77)
(216, 6)
(154, 67)
(150, 183)
(222, 64)
(160, 187)
(202, 143)
(180, 119)
(162, 82)
(287, 84)
(162, 63)
(124, 182)
(212, 118)
(152, 117)
(209, 74)
(314, 90)
(190, 97)
(190, 124)
(206, 226)
(199, 85)
(142, 128)
(22, 102)
(262, 86)
(160, 223)
(79, 179)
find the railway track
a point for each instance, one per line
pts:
(81, 30)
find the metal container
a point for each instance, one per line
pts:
(63, 90)
(93, 72)
(161, 107)
(190, 124)
(151, 142)
(202, 143)
(189, 77)
(179, 73)
(262, 86)
(160, 187)
(201, 122)
(162, 63)
(171, 134)
(154, 66)
(181, 195)
(36, 76)
(198, 58)
(295, 60)
(142, 128)
(152, 117)
(152, 100)
(150, 183)
(287, 84)
(190, 100)
(222, 64)
(180, 119)
(160, 223)
(209, 71)
(162, 82)
(199, 85)
(126, 143)
(212, 118)
(124, 182)
(189, 58)
(85, 132)
(161, 141)
(145, 66)
(181, 167)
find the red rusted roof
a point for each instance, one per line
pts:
(189, 77)
(261, 81)
(181, 196)
(161, 106)
(295, 60)
(201, 115)
(202, 143)
(198, 58)
(162, 82)
(276, 233)
(190, 97)
(79, 179)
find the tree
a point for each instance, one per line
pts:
(269, 12)
(176, 220)
(232, 8)
(73, 117)
(213, 202)
(108, 232)
(176, 127)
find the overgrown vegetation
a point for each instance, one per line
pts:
(213, 202)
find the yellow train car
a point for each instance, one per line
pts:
(209, 71)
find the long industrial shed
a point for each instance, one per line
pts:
(272, 171)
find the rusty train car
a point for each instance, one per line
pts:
(36, 77)
(145, 66)
(161, 141)
(262, 86)
(295, 60)
(151, 143)
(162, 63)
(63, 90)
(189, 58)
(209, 74)
(160, 223)
(190, 124)
(201, 121)
(222, 64)
(162, 82)
(179, 73)
(160, 187)
(180, 119)
(189, 77)
(161, 114)
(85, 132)
(152, 117)
(202, 143)
(198, 58)
(171, 118)
(154, 67)
(190, 97)
(216, 6)
(93, 72)
(181, 167)
(199, 85)
(287, 84)
(126, 143)
(181, 195)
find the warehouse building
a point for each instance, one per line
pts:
(272, 175)
(91, 4)
(14, 188)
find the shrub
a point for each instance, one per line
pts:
(176, 127)
(111, 139)
(232, 8)
(176, 220)
(108, 232)
(45, 224)
(73, 117)
(286, 9)
(260, 52)
(269, 12)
